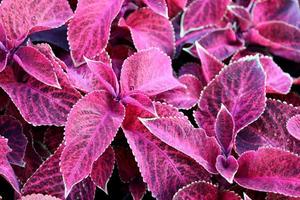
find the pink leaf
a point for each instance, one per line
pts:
(149, 29)
(201, 13)
(85, 189)
(148, 71)
(92, 124)
(38, 103)
(47, 179)
(180, 134)
(241, 91)
(183, 98)
(37, 65)
(277, 80)
(158, 6)
(227, 167)
(5, 169)
(12, 129)
(270, 129)
(269, 170)
(103, 168)
(221, 43)
(105, 75)
(281, 39)
(210, 65)
(293, 126)
(89, 29)
(158, 161)
(281, 10)
(39, 197)
(224, 129)
(21, 17)
(205, 191)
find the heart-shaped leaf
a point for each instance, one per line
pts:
(227, 167)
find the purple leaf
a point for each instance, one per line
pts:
(269, 170)
(37, 65)
(180, 134)
(277, 80)
(6, 170)
(225, 129)
(281, 39)
(270, 129)
(183, 98)
(11, 129)
(38, 103)
(158, 6)
(83, 190)
(137, 188)
(92, 124)
(140, 100)
(103, 168)
(4, 53)
(274, 196)
(227, 167)
(205, 191)
(149, 29)
(158, 161)
(39, 197)
(47, 179)
(293, 126)
(138, 74)
(221, 43)
(201, 13)
(92, 17)
(175, 6)
(21, 17)
(241, 91)
(210, 65)
(281, 10)
(241, 16)
(105, 75)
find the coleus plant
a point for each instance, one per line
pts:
(111, 84)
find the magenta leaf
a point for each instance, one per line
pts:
(6, 170)
(137, 188)
(103, 168)
(47, 179)
(241, 16)
(21, 17)
(210, 65)
(158, 6)
(241, 91)
(180, 134)
(82, 77)
(274, 196)
(269, 170)
(105, 75)
(270, 129)
(89, 29)
(138, 74)
(201, 13)
(175, 6)
(293, 126)
(221, 43)
(37, 65)
(224, 129)
(149, 29)
(205, 191)
(140, 100)
(281, 10)
(4, 53)
(39, 197)
(100, 116)
(85, 189)
(158, 161)
(183, 98)
(277, 80)
(281, 38)
(227, 167)
(38, 103)
(12, 129)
